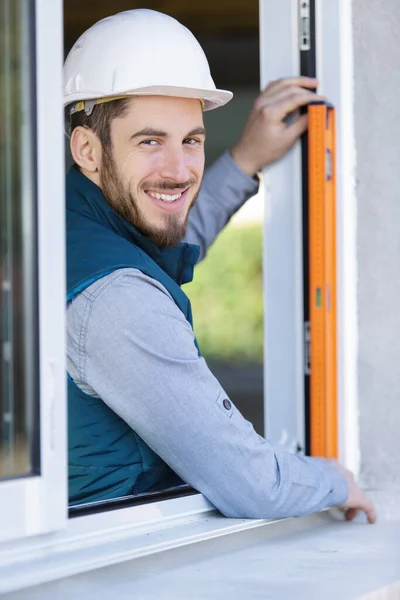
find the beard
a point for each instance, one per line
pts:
(124, 202)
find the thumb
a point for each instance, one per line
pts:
(295, 130)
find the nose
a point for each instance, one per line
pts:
(174, 165)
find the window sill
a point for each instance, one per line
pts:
(202, 548)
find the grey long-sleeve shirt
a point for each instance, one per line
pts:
(144, 364)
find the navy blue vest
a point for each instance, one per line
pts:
(107, 459)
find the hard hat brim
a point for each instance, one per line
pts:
(212, 98)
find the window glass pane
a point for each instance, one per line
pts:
(18, 268)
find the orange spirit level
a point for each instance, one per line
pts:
(322, 280)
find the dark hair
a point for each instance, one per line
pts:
(100, 119)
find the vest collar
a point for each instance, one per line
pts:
(86, 198)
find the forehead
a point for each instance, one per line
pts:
(170, 112)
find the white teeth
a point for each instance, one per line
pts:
(165, 197)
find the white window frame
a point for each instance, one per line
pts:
(89, 542)
(283, 269)
(37, 504)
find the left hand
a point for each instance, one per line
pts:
(266, 136)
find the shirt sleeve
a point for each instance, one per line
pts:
(224, 190)
(138, 354)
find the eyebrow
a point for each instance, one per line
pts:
(149, 132)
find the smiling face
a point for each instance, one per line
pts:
(152, 172)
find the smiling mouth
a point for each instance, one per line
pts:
(173, 200)
(165, 197)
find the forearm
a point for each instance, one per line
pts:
(224, 190)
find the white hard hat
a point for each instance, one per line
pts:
(138, 52)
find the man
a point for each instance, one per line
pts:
(145, 413)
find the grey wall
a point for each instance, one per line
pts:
(376, 26)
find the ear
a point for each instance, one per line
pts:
(86, 149)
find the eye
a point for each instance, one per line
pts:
(149, 142)
(192, 141)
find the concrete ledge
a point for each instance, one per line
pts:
(300, 559)
(391, 592)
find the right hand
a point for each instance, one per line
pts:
(357, 500)
(266, 136)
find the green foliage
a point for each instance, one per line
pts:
(226, 297)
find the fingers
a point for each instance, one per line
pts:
(351, 513)
(357, 500)
(370, 511)
(305, 82)
(295, 101)
(276, 108)
(278, 95)
(362, 505)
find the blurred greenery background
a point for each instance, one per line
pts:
(226, 297)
